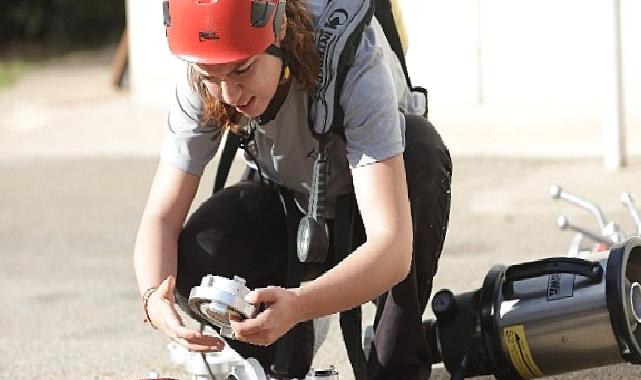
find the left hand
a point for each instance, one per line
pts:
(282, 312)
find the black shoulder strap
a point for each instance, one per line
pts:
(385, 16)
(232, 142)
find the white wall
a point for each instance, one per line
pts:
(506, 77)
(152, 67)
(522, 77)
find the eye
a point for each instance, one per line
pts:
(244, 69)
(211, 80)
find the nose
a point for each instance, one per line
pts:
(231, 92)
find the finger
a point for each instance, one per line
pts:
(206, 340)
(259, 339)
(179, 330)
(253, 325)
(174, 325)
(171, 283)
(162, 289)
(197, 337)
(248, 326)
(204, 348)
(165, 292)
(204, 344)
(248, 338)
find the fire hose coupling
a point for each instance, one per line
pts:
(217, 298)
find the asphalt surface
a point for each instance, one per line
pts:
(76, 163)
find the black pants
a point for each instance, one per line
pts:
(242, 230)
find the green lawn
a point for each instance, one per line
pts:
(10, 71)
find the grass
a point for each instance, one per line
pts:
(10, 71)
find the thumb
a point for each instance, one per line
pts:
(265, 295)
(166, 289)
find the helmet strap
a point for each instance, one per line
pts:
(279, 52)
(283, 86)
(274, 104)
(276, 51)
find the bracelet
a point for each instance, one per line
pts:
(145, 301)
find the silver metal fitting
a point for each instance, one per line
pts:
(322, 374)
(218, 298)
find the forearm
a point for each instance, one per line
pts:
(368, 272)
(386, 256)
(155, 253)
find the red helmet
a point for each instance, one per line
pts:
(221, 31)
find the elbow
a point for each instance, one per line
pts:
(396, 250)
(406, 255)
(403, 247)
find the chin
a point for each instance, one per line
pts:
(254, 109)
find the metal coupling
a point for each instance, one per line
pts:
(218, 298)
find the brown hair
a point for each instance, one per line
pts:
(302, 57)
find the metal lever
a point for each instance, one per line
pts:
(628, 201)
(558, 193)
(564, 224)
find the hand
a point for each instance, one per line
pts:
(161, 308)
(280, 315)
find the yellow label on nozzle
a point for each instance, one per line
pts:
(519, 351)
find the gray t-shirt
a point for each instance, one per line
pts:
(374, 99)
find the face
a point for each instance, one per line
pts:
(248, 85)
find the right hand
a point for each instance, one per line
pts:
(161, 308)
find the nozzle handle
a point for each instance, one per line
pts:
(557, 192)
(628, 201)
(552, 265)
(564, 224)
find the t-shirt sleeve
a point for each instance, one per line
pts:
(187, 144)
(374, 126)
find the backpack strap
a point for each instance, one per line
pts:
(385, 16)
(338, 35)
(339, 32)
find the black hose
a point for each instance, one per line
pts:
(202, 355)
(462, 369)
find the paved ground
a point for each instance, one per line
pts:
(75, 165)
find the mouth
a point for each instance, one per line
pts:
(245, 107)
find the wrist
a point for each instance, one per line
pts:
(302, 309)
